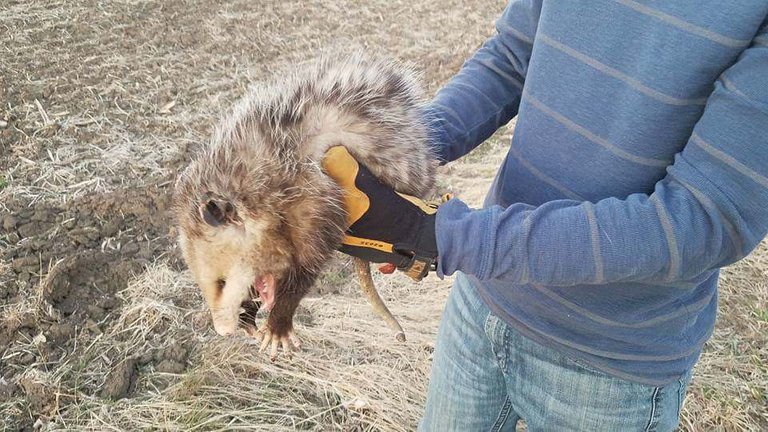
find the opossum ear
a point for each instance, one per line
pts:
(218, 212)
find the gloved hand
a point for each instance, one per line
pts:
(384, 226)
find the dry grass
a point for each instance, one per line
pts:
(352, 374)
(105, 94)
(730, 385)
(102, 95)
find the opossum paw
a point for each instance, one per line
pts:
(270, 339)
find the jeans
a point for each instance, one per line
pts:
(486, 376)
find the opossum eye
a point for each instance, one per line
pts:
(217, 213)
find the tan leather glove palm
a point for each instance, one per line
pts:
(384, 226)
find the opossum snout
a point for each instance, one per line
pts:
(224, 329)
(216, 212)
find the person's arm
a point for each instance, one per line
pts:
(710, 210)
(485, 94)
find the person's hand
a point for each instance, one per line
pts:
(384, 226)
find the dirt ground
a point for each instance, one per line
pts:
(102, 328)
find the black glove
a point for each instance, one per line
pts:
(384, 226)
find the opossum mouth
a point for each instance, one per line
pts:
(261, 293)
(254, 290)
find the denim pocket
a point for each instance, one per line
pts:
(667, 405)
(656, 411)
(496, 331)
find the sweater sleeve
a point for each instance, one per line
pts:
(710, 210)
(485, 94)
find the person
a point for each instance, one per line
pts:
(586, 286)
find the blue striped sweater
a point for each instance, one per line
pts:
(638, 168)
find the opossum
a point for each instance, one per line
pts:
(259, 218)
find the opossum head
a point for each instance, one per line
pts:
(236, 256)
(246, 226)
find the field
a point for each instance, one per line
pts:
(101, 326)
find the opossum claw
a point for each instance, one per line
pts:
(273, 351)
(269, 339)
(266, 336)
(294, 339)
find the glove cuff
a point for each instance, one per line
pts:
(423, 253)
(418, 267)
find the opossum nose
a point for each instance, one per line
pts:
(223, 330)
